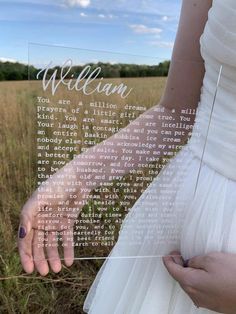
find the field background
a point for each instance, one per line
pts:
(21, 293)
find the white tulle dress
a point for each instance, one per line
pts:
(143, 285)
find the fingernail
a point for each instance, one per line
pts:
(176, 260)
(185, 264)
(22, 232)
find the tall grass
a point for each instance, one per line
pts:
(20, 293)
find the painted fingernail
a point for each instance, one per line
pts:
(22, 233)
(185, 264)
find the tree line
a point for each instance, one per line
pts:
(10, 71)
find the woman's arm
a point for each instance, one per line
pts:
(187, 66)
(182, 92)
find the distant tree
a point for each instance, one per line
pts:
(18, 71)
(14, 75)
(2, 76)
(163, 68)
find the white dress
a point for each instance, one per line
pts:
(143, 285)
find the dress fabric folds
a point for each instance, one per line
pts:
(143, 285)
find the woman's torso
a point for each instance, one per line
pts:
(214, 135)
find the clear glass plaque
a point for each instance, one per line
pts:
(110, 161)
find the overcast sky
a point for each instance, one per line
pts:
(141, 27)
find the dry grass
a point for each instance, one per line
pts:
(20, 293)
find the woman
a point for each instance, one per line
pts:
(207, 278)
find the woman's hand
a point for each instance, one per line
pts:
(49, 216)
(209, 280)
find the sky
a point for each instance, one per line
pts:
(136, 27)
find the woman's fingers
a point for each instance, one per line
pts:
(52, 252)
(25, 250)
(25, 237)
(175, 270)
(68, 246)
(33, 244)
(176, 255)
(28, 213)
(40, 261)
(26, 234)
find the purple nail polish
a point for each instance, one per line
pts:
(186, 263)
(22, 233)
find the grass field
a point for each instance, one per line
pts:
(21, 293)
